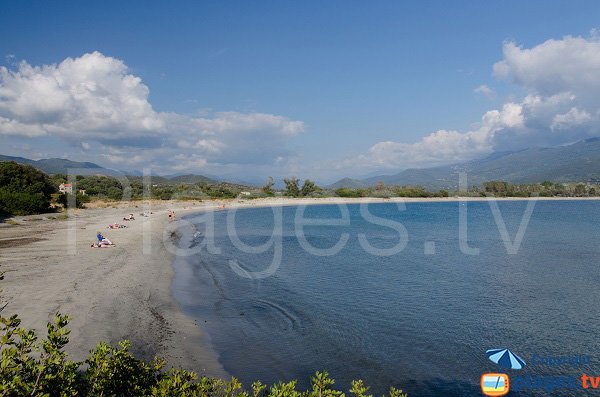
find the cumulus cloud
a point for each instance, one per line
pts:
(553, 67)
(85, 95)
(93, 101)
(561, 79)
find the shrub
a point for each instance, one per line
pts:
(30, 367)
(80, 199)
(23, 189)
(22, 203)
(347, 192)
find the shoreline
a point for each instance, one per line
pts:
(121, 292)
(111, 294)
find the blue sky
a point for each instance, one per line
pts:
(313, 89)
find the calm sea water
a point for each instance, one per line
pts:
(418, 320)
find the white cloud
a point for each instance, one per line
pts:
(574, 117)
(562, 105)
(94, 102)
(87, 95)
(553, 67)
(486, 91)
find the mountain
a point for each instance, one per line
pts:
(61, 166)
(576, 162)
(349, 183)
(191, 178)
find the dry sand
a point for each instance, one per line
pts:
(112, 293)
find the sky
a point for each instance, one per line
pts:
(321, 90)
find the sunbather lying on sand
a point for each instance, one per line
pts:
(102, 245)
(129, 218)
(115, 226)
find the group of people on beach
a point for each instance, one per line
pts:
(104, 242)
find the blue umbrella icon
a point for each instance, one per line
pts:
(505, 358)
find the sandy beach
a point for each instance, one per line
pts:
(122, 292)
(111, 293)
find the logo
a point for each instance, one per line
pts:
(493, 384)
(505, 358)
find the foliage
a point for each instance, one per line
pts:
(544, 189)
(412, 191)
(292, 187)
(23, 189)
(383, 191)
(221, 190)
(79, 199)
(348, 192)
(268, 187)
(111, 188)
(33, 367)
(308, 188)
(101, 186)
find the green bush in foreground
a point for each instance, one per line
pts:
(33, 367)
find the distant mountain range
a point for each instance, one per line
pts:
(62, 166)
(576, 162)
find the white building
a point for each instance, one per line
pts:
(65, 188)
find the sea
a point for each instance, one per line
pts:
(405, 295)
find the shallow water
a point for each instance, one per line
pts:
(421, 319)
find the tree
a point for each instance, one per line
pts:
(580, 189)
(308, 188)
(268, 187)
(292, 186)
(24, 190)
(80, 199)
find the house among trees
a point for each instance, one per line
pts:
(65, 188)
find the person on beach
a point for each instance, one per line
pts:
(103, 240)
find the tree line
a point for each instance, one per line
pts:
(25, 190)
